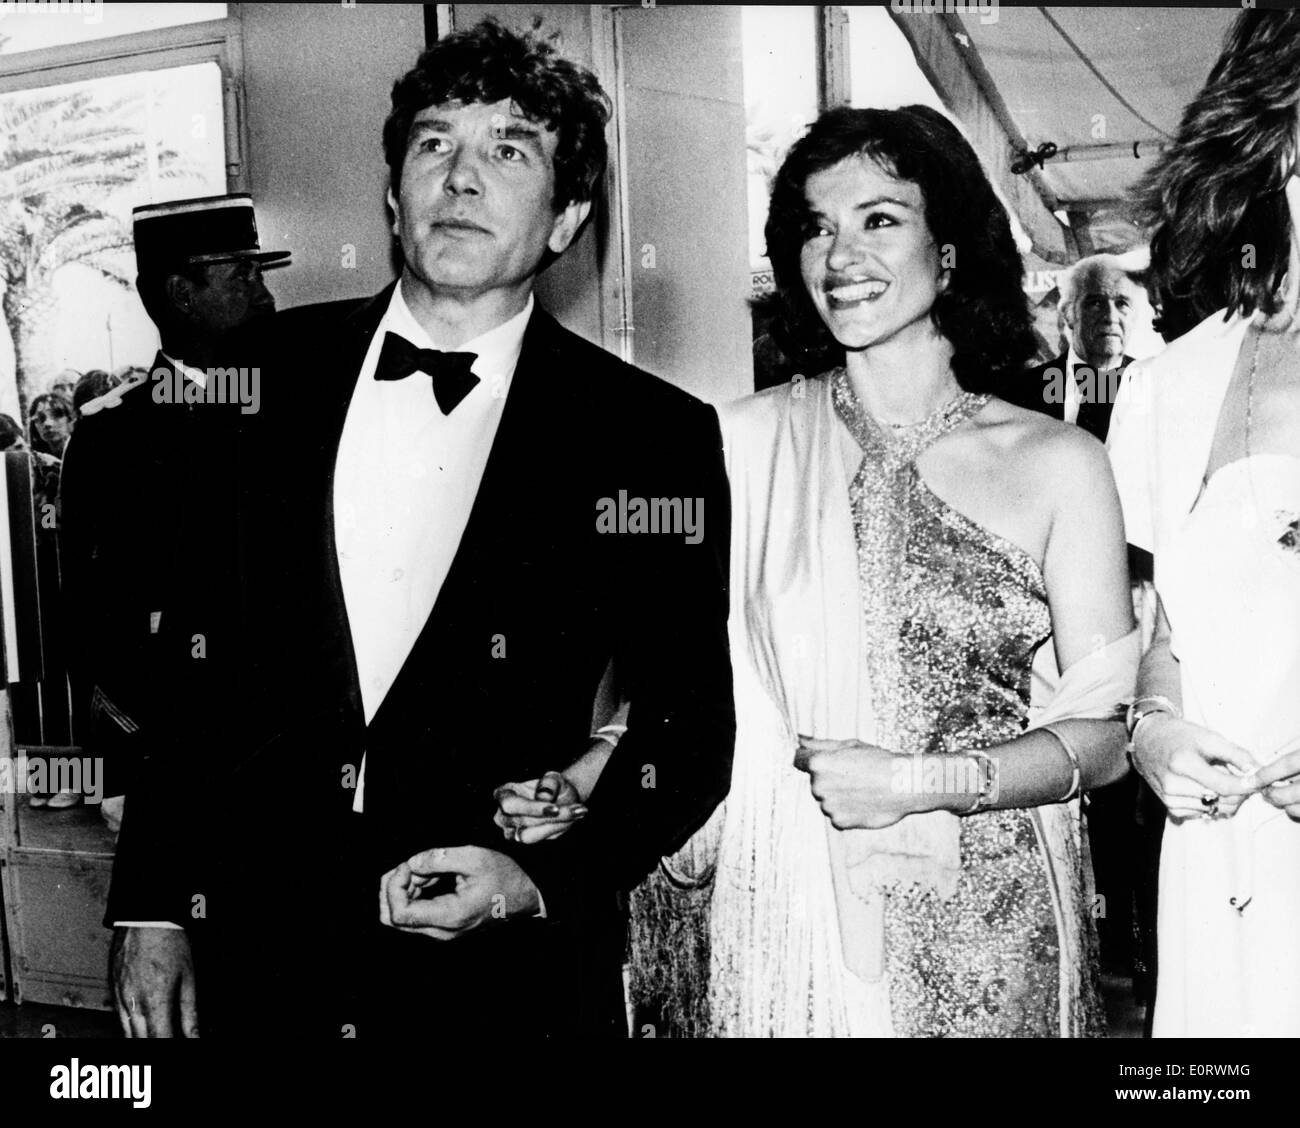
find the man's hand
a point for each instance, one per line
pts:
(489, 886)
(153, 982)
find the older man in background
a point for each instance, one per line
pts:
(1098, 300)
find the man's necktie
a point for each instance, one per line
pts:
(452, 378)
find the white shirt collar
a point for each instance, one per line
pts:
(497, 350)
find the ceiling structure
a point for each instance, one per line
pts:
(1093, 81)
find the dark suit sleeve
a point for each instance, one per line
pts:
(673, 766)
(157, 867)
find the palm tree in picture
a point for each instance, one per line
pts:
(63, 154)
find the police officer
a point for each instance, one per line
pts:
(148, 494)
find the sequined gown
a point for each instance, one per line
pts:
(968, 611)
(985, 962)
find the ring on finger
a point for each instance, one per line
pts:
(1210, 801)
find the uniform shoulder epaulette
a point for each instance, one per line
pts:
(113, 396)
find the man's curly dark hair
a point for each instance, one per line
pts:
(1217, 193)
(489, 63)
(983, 311)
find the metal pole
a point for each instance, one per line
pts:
(1116, 150)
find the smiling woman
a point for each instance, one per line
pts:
(888, 635)
(870, 266)
(979, 308)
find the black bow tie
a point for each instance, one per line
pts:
(452, 378)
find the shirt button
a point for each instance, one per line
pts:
(397, 574)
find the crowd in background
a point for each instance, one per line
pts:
(52, 416)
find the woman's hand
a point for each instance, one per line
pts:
(537, 809)
(856, 784)
(1280, 781)
(1184, 763)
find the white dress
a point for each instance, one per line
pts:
(1229, 917)
(1227, 568)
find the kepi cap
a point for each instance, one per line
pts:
(195, 232)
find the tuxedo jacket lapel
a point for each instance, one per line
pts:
(528, 444)
(526, 455)
(346, 353)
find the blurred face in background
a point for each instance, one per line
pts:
(52, 423)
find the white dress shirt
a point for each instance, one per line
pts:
(404, 483)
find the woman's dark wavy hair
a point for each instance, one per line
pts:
(1219, 187)
(489, 63)
(983, 311)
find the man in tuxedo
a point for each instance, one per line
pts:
(1098, 299)
(143, 481)
(431, 601)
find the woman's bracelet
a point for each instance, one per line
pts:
(611, 734)
(1076, 774)
(988, 782)
(1144, 706)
